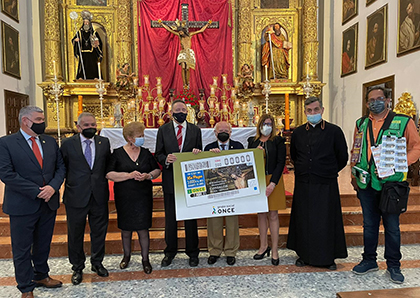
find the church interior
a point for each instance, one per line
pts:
(239, 60)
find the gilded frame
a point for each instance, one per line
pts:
(350, 34)
(9, 10)
(408, 44)
(369, 2)
(350, 9)
(11, 55)
(376, 44)
(289, 20)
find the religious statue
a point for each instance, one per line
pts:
(247, 80)
(87, 47)
(186, 57)
(117, 114)
(125, 79)
(275, 52)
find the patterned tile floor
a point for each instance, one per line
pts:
(247, 278)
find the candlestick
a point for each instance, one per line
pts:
(146, 107)
(201, 106)
(155, 105)
(99, 70)
(146, 79)
(212, 90)
(286, 112)
(215, 81)
(266, 72)
(224, 76)
(159, 90)
(161, 103)
(159, 80)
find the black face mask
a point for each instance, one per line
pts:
(223, 136)
(180, 117)
(38, 128)
(89, 132)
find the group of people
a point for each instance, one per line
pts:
(33, 167)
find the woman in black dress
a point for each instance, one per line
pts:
(132, 168)
(275, 160)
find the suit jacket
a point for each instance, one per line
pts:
(166, 143)
(232, 145)
(23, 176)
(81, 180)
(275, 152)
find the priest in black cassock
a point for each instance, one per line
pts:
(319, 151)
(87, 47)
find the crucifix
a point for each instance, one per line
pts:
(186, 57)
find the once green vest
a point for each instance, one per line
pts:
(396, 128)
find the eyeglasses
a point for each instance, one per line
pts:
(376, 99)
(268, 124)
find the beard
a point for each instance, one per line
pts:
(277, 32)
(86, 27)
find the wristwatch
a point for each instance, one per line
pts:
(151, 176)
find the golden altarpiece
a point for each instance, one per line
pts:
(115, 21)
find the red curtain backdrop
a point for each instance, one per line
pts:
(158, 49)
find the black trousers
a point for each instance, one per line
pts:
(171, 231)
(97, 215)
(31, 239)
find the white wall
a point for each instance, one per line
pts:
(344, 95)
(29, 62)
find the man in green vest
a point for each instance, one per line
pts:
(366, 181)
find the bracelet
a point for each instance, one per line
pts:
(151, 176)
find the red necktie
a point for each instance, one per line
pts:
(36, 151)
(179, 137)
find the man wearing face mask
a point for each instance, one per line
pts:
(223, 131)
(369, 130)
(86, 195)
(319, 151)
(32, 169)
(173, 137)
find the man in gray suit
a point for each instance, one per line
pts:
(32, 169)
(86, 195)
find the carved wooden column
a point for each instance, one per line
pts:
(52, 40)
(123, 37)
(245, 31)
(310, 38)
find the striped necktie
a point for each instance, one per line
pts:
(179, 137)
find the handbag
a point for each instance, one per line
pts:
(394, 197)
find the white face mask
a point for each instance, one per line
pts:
(266, 130)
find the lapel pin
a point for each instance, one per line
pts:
(43, 141)
(99, 142)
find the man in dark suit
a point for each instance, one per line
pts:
(223, 131)
(86, 156)
(177, 136)
(32, 169)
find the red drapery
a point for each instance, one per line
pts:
(158, 49)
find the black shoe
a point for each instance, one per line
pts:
(193, 262)
(231, 261)
(300, 263)
(212, 259)
(167, 260)
(124, 262)
(333, 266)
(261, 256)
(275, 262)
(77, 277)
(100, 270)
(147, 268)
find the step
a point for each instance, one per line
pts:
(351, 216)
(410, 234)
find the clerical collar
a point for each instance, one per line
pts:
(322, 122)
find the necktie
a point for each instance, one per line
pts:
(36, 151)
(179, 137)
(88, 153)
(223, 146)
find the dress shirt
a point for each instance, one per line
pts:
(92, 146)
(38, 141)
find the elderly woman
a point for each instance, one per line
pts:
(132, 168)
(275, 159)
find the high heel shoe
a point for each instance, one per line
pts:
(124, 262)
(147, 268)
(261, 256)
(275, 262)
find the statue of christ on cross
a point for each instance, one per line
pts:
(186, 57)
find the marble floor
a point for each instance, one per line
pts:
(247, 278)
